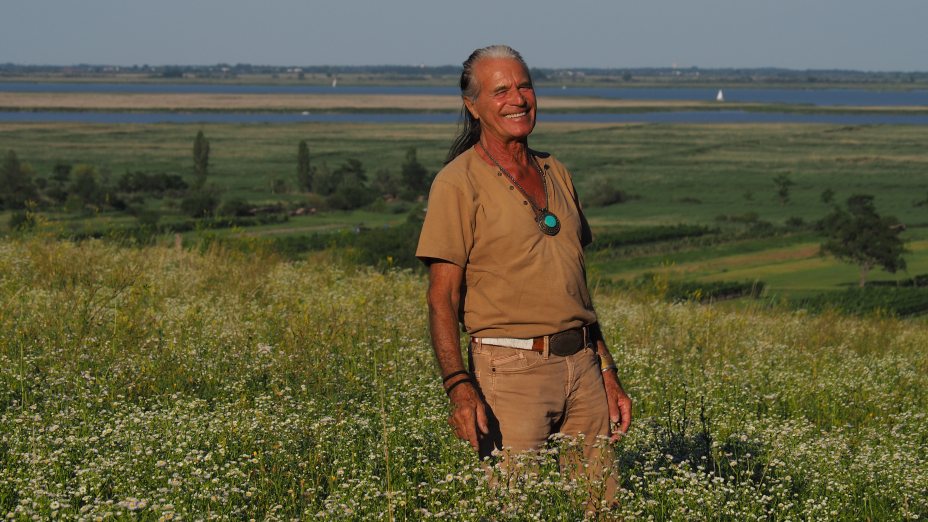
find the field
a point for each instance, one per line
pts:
(714, 175)
(160, 383)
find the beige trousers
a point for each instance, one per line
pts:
(532, 397)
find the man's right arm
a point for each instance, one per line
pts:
(444, 299)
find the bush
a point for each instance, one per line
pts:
(235, 207)
(898, 301)
(22, 220)
(200, 203)
(638, 236)
(139, 181)
(603, 194)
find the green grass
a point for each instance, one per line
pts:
(676, 174)
(163, 382)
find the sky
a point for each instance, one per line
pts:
(872, 35)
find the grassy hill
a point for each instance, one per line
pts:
(161, 381)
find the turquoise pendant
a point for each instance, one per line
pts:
(549, 223)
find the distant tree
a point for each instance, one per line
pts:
(304, 171)
(279, 186)
(16, 185)
(85, 186)
(414, 176)
(828, 196)
(324, 180)
(200, 203)
(200, 159)
(61, 172)
(860, 236)
(386, 183)
(783, 184)
(351, 191)
(603, 193)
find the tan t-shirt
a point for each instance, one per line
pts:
(519, 282)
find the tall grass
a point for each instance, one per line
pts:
(169, 383)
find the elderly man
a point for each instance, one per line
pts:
(503, 239)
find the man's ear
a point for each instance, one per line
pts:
(469, 104)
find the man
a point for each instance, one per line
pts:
(503, 238)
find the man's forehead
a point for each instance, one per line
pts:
(500, 73)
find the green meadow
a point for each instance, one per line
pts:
(720, 176)
(160, 383)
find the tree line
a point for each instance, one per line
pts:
(88, 189)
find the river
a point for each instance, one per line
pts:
(792, 96)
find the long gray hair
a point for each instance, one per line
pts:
(468, 126)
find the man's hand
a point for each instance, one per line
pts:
(469, 415)
(620, 405)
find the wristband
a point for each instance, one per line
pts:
(449, 388)
(452, 374)
(606, 363)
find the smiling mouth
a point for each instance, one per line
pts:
(516, 115)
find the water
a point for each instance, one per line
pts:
(819, 97)
(646, 117)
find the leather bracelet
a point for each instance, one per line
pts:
(453, 374)
(449, 388)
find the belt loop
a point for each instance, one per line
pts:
(547, 350)
(586, 337)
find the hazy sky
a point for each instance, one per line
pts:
(798, 34)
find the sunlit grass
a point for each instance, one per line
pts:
(165, 383)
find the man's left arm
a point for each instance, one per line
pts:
(620, 404)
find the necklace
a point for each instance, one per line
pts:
(547, 221)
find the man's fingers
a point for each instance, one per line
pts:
(466, 426)
(625, 406)
(482, 422)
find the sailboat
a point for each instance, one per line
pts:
(334, 82)
(720, 97)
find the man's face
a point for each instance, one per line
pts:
(505, 104)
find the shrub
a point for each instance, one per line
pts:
(638, 236)
(603, 193)
(899, 301)
(200, 203)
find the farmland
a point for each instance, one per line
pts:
(716, 176)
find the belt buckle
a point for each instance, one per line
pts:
(566, 343)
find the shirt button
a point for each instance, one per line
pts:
(525, 202)
(511, 187)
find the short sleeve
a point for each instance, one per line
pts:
(448, 230)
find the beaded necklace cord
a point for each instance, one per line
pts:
(547, 222)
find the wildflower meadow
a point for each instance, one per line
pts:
(162, 383)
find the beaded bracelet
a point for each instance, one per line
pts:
(449, 388)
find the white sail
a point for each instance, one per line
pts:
(720, 97)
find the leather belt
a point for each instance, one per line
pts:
(567, 342)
